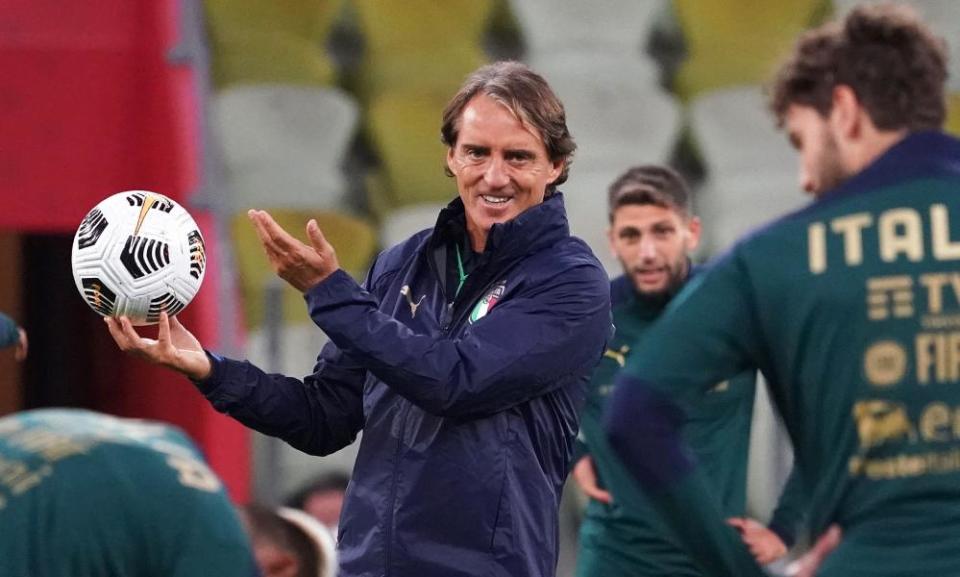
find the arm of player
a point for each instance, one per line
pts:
(529, 344)
(770, 542)
(644, 428)
(791, 510)
(708, 334)
(319, 415)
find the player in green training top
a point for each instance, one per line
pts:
(84, 494)
(851, 308)
(12, 335)
(652, 231)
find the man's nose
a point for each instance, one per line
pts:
(648, 248)
(496, 174)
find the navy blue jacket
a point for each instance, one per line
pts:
(468, 412)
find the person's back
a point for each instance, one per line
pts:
(849, 307)
(88, 494)
(868, 379)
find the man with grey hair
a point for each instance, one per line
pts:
(463, 357)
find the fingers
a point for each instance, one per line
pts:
(117, 333)
(600, 495)
(738, 522)
(163, 336)
(122, 331)
(828, 541)
(316, 237)
(271, 234)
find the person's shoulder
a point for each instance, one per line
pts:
(399, 255)
(569, 257)
(622, 291)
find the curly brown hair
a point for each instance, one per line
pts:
(531, 100)
(895, 65)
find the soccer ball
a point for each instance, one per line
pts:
(138, 253)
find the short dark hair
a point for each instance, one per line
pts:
(267, 526)
(650, 184)
(528, 96)
(890, 59)
(331, 481)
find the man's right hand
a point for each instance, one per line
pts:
(586, 477)
(175, 347)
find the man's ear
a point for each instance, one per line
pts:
(693, 230)
(846, 113)
(450, 163)
(556, 169)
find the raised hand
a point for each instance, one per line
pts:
(175, 347)
(302, 266)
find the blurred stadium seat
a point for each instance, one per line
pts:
(616, 110)
(404, 129)
(749, 183)
(285, 145)
(731, 42)
(261, 41)
(562, 25)
(420, 46)
(401, 223)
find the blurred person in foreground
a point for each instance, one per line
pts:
(848, 307)
(322, 498)
(652, 232)
(86, 494)
(289, 543)
(12, 335)
(463, 357)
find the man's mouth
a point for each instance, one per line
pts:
(649, 273)
(495, 200)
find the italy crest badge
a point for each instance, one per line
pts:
(487, 302)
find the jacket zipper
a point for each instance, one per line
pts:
(391, 516)
(446, 324)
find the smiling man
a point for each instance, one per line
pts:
(652, 232)
(848, 307)
(464, 357)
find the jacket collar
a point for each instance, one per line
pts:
(925, 153)
(532, 230)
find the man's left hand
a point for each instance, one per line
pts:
(302, 266)
(765, 546)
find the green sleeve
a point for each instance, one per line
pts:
(9, 335)
(709, 334)
(693, 513)
(790, 513)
